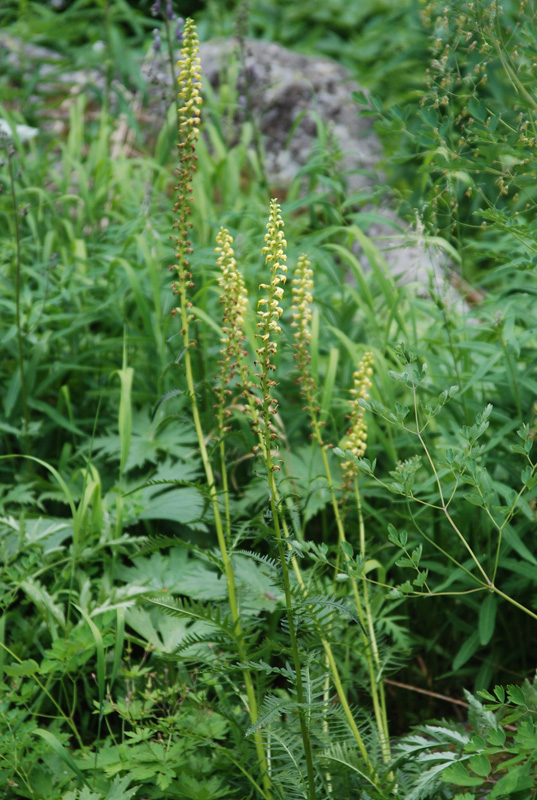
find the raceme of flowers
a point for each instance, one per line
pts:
(189, 121)
(234, 299)
(356, 441)
(302, 287)
(270, 311)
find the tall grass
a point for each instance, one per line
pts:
(243, 518)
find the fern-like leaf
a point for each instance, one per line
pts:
(197, 611)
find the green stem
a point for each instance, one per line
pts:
(441, 494)
(290, 619)
(338, 685)
(225, 484)
(506, 521)
(345, 705)
(383, 717)
(514, 602)
(379, 707)
(228, 566)
(326, 700)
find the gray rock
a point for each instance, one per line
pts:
(283, 86)
(287, 94)
(287, 89)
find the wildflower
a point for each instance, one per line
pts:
(179, 29)
(169, 9)
(234, 298)
(270, 311)
(156, 40)
(155, 9)
(189, 122)
(302, 285)
(356, 441)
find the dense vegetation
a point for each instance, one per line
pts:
(268, 531)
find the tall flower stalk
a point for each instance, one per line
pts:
(268, 327)
(189, 101)
(234, 299)
(302, 286)
(356, 444)
(234, 364)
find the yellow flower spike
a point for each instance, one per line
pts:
(302, 286)
(190, 101)
(270, 311)
(189, 122)
(234, 298)
(356, 440)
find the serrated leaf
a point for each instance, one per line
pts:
(499, 691)
(508, 784)
(393, 536)
(421, 579)
(480, 765)
(404, 562)
(183, 505)
(486, 695)
(496, 737)
(459, 775)
(22, 669)
(516, 695)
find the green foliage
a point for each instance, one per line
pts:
(494, 756)
(134, 638)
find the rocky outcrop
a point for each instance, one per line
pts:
(288, 95)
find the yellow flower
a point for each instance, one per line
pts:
(275, 258)
(234, 298)
(356, 440)
(189, 121)
(269, 313)
(302, 286)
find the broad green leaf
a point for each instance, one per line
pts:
(175, 573)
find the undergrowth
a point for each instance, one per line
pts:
(257, 524)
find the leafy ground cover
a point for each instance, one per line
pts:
(267, 523)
